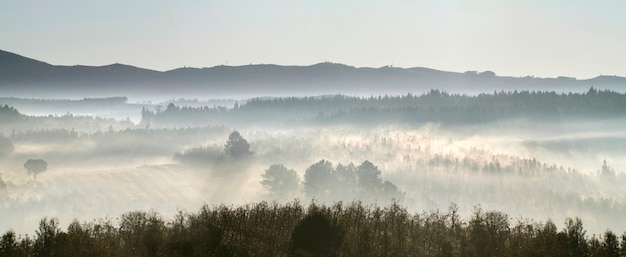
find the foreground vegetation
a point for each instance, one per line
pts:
(265, 229)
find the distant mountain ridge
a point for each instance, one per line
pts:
(25, 77)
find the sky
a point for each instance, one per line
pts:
(581, 39)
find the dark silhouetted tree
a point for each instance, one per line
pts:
(35, 167)
(280, 181)
(142, 232)
(610, 245)
(622, 250)
(316, 235)
(45, 244)
(237, 146)
(9, 244)
(575, 232)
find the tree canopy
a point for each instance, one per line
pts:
(237, 146)
(280, 181)
(326, 183)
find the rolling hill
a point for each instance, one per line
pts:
(24, 77)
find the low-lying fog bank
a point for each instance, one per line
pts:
(543, 173)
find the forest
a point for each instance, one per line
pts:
(436, 174)
(433, 106)
(292, 229)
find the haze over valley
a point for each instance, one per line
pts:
(312, 128)
(536, 154)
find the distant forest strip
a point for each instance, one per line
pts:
(290, 229)
(434, 106)
(12, 120)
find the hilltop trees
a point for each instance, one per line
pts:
(324, 182)
(432, 106)
(35, 167)
(235, 151)
(9, 114)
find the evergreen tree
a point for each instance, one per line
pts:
(237, 146)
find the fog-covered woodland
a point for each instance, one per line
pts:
(390, 175)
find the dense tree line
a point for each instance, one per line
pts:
(433, 106)
(9, 114)
(185, 116)
(12, 120)
(498, 103)
(327, 183)
(354, 229)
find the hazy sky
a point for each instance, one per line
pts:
(582, 39)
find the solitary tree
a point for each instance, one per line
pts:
(282, 182)
(237, 146)
(35, 167)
